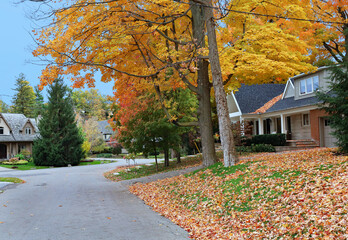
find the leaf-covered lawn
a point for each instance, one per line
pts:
(277, 196)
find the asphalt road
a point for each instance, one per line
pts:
(78, 203)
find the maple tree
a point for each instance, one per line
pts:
(90, 103)
(164, 46)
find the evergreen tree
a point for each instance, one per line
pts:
(335, 103)
(39, 102)
(60, 142)
(24, 100)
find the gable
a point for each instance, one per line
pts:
(252, 97)
(5, 126)
(289, 90)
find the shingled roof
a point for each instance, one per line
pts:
(289, 103)
(250, 98)
(16, 123)
(105, 127)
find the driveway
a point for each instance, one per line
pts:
(76, 203)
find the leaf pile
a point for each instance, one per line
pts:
(291, 195)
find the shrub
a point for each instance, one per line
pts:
(19, 162)
(26, 154)
(117, 149)
(256, 148)
(262, 148)
(104, 155)
(20, 156)
(278, 139)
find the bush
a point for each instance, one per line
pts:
(26, 154)
(256, 148)
(20, 156)
(262, 148)
(104, 155)
(117, 149)
(19, 162)
(278, 139)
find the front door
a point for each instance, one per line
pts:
(329, 140)
(288, 127)
(3, 151)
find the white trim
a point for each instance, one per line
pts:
(286, 87)
(235, 100)
(235, 114)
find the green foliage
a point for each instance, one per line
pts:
(104, 155)
(4, 107)
(335, 103)
(256, 148)
(19, 162)
(60, 142)
(278, 139)
(25, 154)
(20, 156)
(39, 102)
(24, 99)
(150, 131)
(91, 104)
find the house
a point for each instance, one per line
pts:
(17, 133)
(290, 108)
(105, 129)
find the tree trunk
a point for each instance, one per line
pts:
(166, 157)
(227, 142)
(204, 86)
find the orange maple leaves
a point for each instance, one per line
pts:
(291, 195)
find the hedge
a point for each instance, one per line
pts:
(278, 139)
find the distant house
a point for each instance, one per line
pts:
(105, 129)
(290, 108)
(17, 133)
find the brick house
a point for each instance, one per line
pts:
(290, 108)
(17, 133)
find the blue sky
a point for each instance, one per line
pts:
(16, 45)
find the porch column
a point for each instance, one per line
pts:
(260, 126)
(282, 123)
(241, 125)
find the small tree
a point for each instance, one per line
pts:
(60, 142)
(24, 99)
(335, 103)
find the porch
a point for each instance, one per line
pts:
(305, 128)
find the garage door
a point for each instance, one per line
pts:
(329, 140)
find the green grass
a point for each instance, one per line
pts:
(32, 166)
(28, 166)
(11, 179)
(150, 170)
(95, 162)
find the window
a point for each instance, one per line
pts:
(305, 119)
(28, 130)
(1, 130)
(327, 122)
(309, 85)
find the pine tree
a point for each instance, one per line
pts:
(24, 99)
(335, 103)
(60, 142)
(39, 102)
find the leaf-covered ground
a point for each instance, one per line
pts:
(298, 195)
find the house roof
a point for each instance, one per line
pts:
(250, 98)
(16, 123)
(105, 127)
(289, 103)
